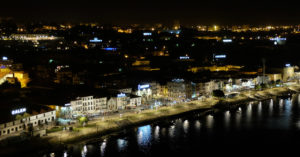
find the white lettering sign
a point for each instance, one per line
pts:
(18, 111)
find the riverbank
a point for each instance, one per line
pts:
(116, 123)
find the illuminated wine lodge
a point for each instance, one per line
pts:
(33, 119)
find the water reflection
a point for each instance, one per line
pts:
(65, 154)
(156, 133)
(259, 110)
(227, 119)
(197, 125)
(238, 116)
(84, 151)
(281, 103)
(209, 121)
(298, 124)
(271, 107)
(186, 126)
(249, 114)
(288, 107)
(163, 131)
(122, 144)
(144, 135)
(247, 122)
(102, 147)
(172, 131)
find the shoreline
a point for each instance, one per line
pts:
(99, 130)
(116, 124)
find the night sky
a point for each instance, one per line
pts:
(147, 11)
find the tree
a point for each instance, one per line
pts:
(83, 120)
(19, 117)
(218, 93)
(272, 83)
(258, 87)
(25, 115)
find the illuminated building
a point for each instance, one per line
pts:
(288, 73)
(92, 106)
(144, 91)
(88, 105)
(23, 124)
(179, 90)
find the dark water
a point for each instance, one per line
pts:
(268, 127)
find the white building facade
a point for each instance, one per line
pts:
(18, 126)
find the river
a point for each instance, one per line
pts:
(270, 126)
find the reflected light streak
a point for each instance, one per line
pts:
(271, 107)
(102, 147)
(227, 119)
(156, 132)
(122, 144)
(186, 126)
(172, 131)
(259, 108)
(281, 103)
(65, 154)
(197, 125)
(209, 121)
(238, 116)
(84, 151)
(144, 135)
(249, 112)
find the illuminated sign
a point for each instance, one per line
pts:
(4, 58)
(121, 95)
(227, 40)
(174, 31)
(18, 111)
(178, 80)
(143, 86)
(278, 39)
(96, 40)
(184, 57)
(147, 34)
(110, 49)
(220, 56)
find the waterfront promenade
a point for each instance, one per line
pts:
(117, 122)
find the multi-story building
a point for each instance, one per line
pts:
(33, 121)
(88, 105)
(91, 106)
(179, 90)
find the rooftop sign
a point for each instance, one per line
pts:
(18, 111)
(220, 56)
(143, 86)
(96, 40)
